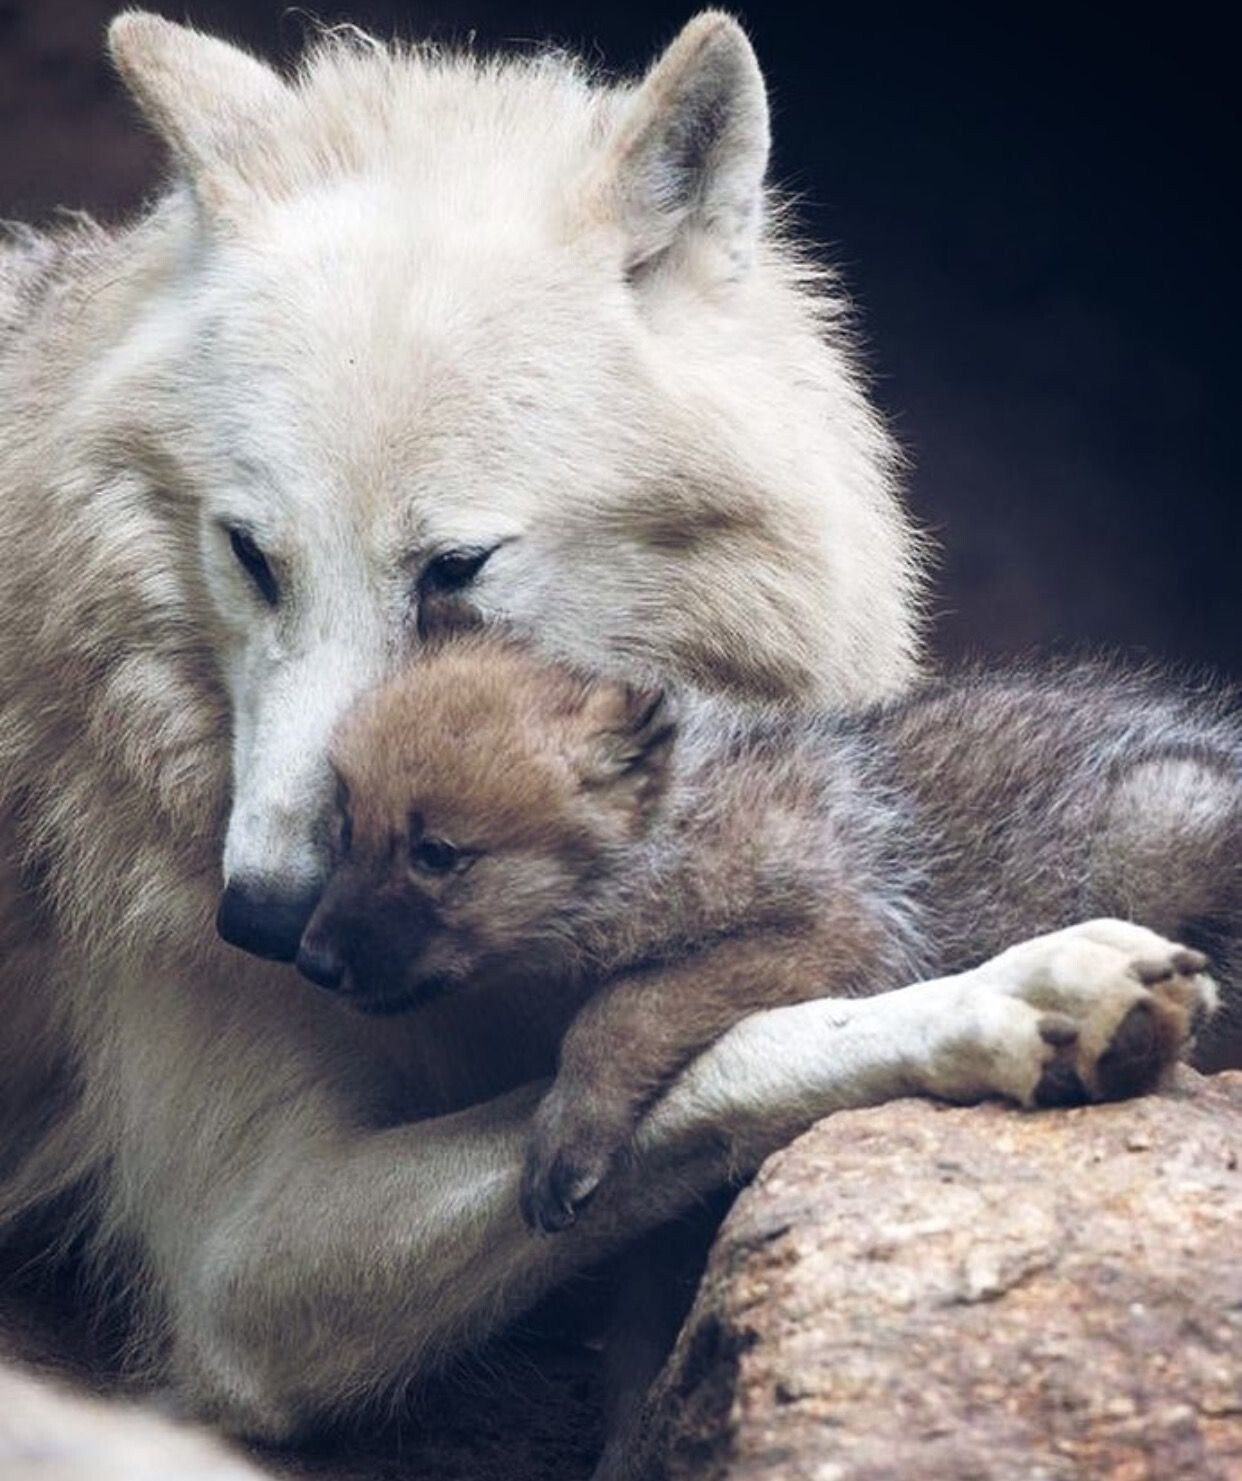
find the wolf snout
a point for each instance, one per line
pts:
(265, 919)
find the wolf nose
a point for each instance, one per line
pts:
(320, 964)
(263, 920)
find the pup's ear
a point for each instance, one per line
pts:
(208, 100)
(629, 734)
(690, 153)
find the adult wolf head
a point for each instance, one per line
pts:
(439, 340)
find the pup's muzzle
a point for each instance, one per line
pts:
(320, 963)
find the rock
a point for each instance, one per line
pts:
(982, 1294)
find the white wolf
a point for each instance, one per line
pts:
(413, 340)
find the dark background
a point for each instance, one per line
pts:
(1030, 206)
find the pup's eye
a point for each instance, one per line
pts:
(344, 824)
(436, 856)
(453, 570)
(254, 563)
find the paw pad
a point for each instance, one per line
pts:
(1136, 1055)
(1058, 1029)
(1061, 1085)
(1181, 963)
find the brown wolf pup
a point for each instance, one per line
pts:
(680, 865)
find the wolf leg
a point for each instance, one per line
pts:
(1079, 997)
(339, 1263)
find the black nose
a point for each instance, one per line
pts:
(264, 919)
(321, 963)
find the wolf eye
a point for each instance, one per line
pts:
(454, 570)
(254, 563)
(435, 856)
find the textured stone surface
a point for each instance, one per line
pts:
(908, 1292)
(921, 1291)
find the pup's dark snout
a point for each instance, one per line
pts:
(264, 920)
(332, 936)
(321, 963)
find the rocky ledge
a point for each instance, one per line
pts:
(977, 1295)
(911, 1293)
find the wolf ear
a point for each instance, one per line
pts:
(629, 737)
(207, 98)
(692, 147)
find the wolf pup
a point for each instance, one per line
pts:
(687, 864)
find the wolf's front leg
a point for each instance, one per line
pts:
(1099, 1011)
(329, 1264)
(1094, 1012)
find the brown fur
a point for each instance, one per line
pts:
(758, 859)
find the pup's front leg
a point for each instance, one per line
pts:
(577, 1135)
(630, 1042)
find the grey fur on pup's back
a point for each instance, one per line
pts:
(680, 863)
(1084, 791)
(984, 807)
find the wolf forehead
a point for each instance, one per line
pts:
(480, 733)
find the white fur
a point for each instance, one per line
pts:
(400, 318)
(963, 1038)
(403, 303)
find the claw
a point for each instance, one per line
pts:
(549, 1216)
(1058, 1029)
(1153, 970)
(553, 1196)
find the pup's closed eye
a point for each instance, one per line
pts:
(435, 856)
(342, 837)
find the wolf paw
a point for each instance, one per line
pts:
(567, 1159)
(1100, 1011)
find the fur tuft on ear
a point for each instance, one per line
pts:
(692, 148)
(208, 99)
(629, 735)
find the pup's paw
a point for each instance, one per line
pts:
(567, 1159)
(1100, 1011)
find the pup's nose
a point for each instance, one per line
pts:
(320, 963)
(264, 919)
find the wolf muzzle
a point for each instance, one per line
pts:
(265, 921)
